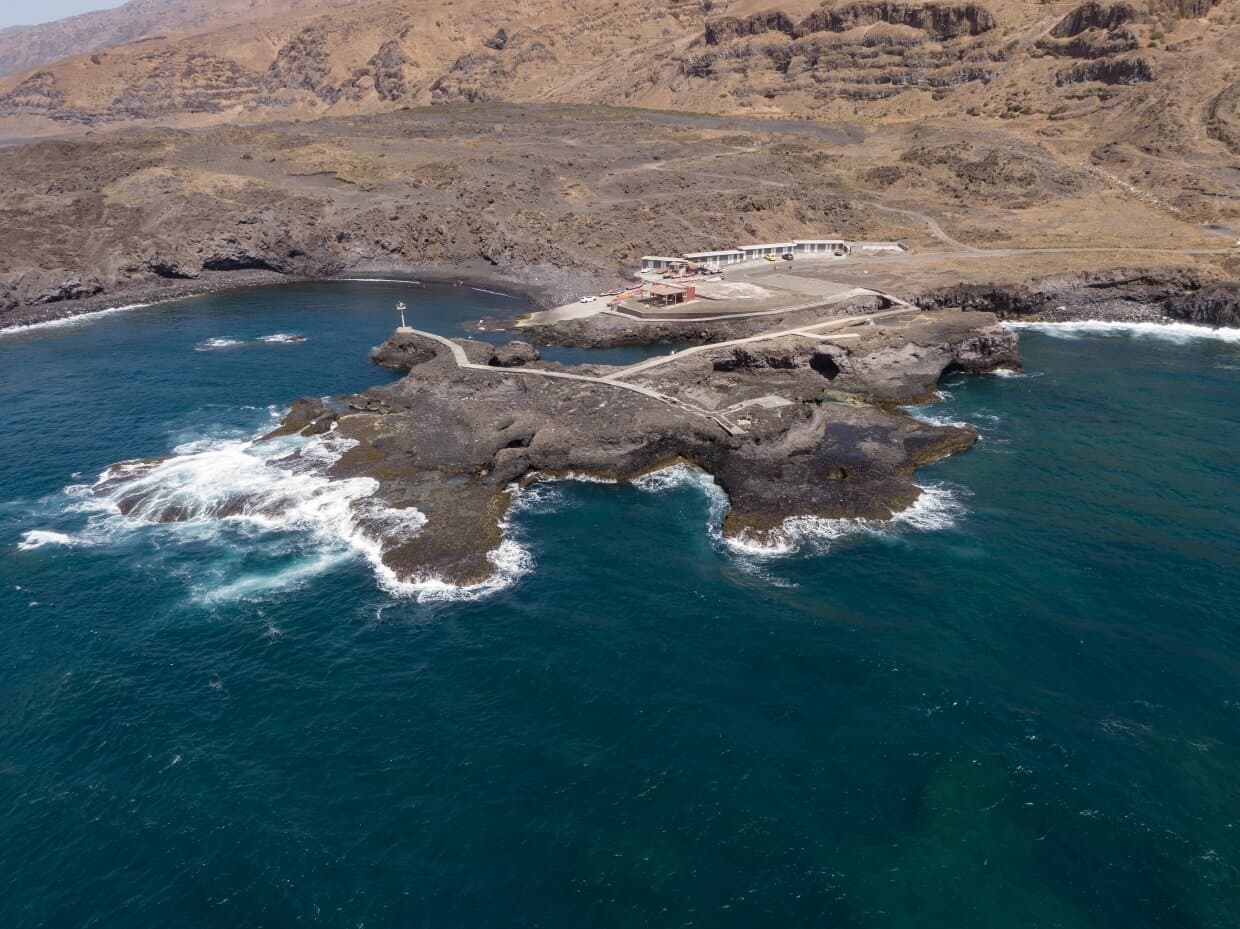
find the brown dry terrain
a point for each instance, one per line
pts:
(552, 144)
(1145, 92)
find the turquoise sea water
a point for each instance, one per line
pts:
(1017, 707)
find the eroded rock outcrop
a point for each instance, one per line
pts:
(938, 20)
(1110, 71)
(1216, 304)
(1094, 15)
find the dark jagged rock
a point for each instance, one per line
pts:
(515, 354)
(1184, 9)
(1120, 295)
(1110, 71)
(1094, 15)
(1223, 117)
(1092, 44)
(387, 69)
(734, 27)
(938, 20)
(1213, 305)
(302, 64)
(820, 436)
(404, 350)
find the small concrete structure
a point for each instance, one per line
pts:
(775, 249)
(661, 262)
(670, 294)
(720, 257)
(879, 248)
(837, 247)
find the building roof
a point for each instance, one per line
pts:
(665, 290)
(711, 254)
(821, 242)
(660, 258)
(746, 248)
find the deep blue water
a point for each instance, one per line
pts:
(1019, 707)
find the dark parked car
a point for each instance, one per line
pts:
(786, 256)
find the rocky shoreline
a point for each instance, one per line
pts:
(1117, 295)
(1121, 295)
(788, 427)
(548, 289)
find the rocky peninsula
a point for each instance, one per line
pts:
(788, 425)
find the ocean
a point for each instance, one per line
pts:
(1017, 705)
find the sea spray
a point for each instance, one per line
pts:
(37, 538)
(937, 507)
(1171, 331)
(276, 338)
(278, 485)
(66, 321)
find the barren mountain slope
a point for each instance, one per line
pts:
(1144, 93)
(552, 197)
(23, 47)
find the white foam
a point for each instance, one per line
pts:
(276, 338)
(37, 538)
(921, 415)
(379, 280)
(936, 508)
(511, 562)
(78, 320)
(1170, 331)
(283, 338)
(210, 345)
(252, 585)
(277, 485)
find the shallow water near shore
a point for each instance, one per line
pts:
(1018, 706)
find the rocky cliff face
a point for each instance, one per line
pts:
(1117, 295)
(1094, 15)
(938, 20)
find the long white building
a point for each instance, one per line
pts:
(721, 257)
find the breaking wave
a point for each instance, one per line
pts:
(210, 345)
(64, 321)
(937, 507)
(924, 416)
(255, 487)
(37, 538)
(511, 561)
(1172, 332)
(276, 338)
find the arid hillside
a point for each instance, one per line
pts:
(1145, 92)
(23, 47)
(551, 143)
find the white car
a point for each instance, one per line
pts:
(588, 299)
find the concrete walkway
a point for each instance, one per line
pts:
(811, 331)
(722, 419)
(462, 361)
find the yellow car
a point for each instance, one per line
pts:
(769, 257)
